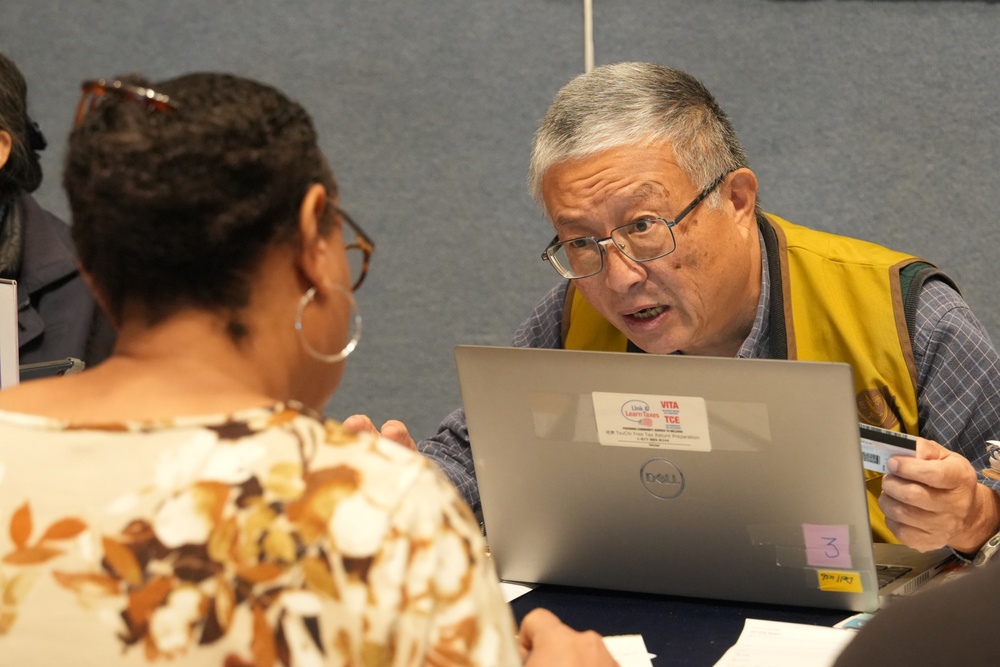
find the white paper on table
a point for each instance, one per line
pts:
(511, 591)
(776, 644)
(629, 651)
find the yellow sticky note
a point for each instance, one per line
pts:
(840, 581)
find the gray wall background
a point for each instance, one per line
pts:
(873, 119)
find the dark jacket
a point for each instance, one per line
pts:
(57, 316)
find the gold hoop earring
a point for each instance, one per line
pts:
(355, 318)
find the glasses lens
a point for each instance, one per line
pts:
(576, 258)
(356, 264)
(644, 240)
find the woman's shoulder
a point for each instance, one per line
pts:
(22, 398)
(230, 524)
(285, 444)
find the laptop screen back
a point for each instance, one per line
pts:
(720, 478)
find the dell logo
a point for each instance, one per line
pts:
(662, 478)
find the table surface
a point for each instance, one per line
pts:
(679, 631)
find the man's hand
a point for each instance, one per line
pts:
(391, 430)
(933, 500)
(548, 642)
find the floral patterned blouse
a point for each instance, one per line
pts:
(263, 538)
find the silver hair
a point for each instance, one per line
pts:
(637, 104)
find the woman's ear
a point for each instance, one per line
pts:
(314, 255)
(98, 294)
(6, 144)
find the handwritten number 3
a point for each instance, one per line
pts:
(830, 543)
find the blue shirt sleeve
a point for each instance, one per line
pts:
(449, 448)
(958, 376)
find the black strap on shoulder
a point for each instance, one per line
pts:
(776, 321)
(912, 278)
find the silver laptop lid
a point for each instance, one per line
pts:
(8, 334)
(719, 478)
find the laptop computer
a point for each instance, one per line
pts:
(730, 479)
(9, 354)
(54, 368)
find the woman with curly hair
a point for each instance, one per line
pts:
(184, 499)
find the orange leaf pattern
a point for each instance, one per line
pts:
(265, 538)
(64, 530)
(20, 526)
(122, 562)
(31, 555)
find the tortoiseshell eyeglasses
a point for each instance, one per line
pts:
(96, 90)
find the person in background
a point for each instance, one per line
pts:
(184, 500)
(942, 626)
(662, 247)
(57, 316)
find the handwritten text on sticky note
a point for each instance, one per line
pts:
(839, 581)
(827, 546)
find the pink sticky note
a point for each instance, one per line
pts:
(827, 546)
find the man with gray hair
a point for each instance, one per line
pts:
(662, 248)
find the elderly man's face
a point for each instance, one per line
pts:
(700, 299)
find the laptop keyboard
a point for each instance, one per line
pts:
(889, 573)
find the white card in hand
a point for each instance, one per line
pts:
(878, 444)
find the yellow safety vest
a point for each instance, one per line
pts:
(828, 301)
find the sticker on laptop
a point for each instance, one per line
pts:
(879, 444)
(839, 581)
(827, 545)
(657, 422)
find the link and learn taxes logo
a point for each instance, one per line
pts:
(638, 411)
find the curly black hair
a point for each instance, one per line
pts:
(176, 209)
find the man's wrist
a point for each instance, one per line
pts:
(988, 551)
(984, 527)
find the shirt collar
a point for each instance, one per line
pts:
(756, 344)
